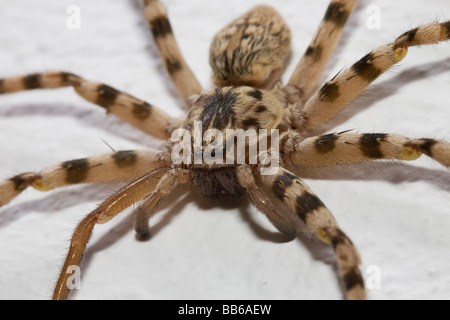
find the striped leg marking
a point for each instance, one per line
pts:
(137, 112)
(162, 178)
(302, 202)
(182, 76)
(116, 166)
(343, 148)
(314, 60)
(334, 95)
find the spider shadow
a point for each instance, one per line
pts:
(55, 201)
(317, 249)
(388, 171)
(93, 118)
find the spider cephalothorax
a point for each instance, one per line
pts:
(272, 121)
(226, 112)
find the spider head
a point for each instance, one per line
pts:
(223, 114)
(227, 127)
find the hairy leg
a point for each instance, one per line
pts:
(183, 78)
(115, 166)
(137, 112)
(313, 62)
(306, 206)
(344, 87)
(163, 180)
(342, 148)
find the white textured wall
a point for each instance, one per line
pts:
(397, 214)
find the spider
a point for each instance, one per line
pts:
(283, 187)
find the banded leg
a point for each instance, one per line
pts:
(313, 62)
(182, 76)
(162, 179)
(137, 112)
(116, 166)
(342, 148)
(304, 204)
(349, 83)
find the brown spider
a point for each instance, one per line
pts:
(249, 52)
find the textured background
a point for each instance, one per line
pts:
(397, 214)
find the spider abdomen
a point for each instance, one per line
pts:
(251, 50)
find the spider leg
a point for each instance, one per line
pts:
(349, 83)
(182, 76)
(115, 166)
(137, 112)
(304, 204)
(148, 208)
(163, 179)
(342, 148)
(263, 203)
(314, 60)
